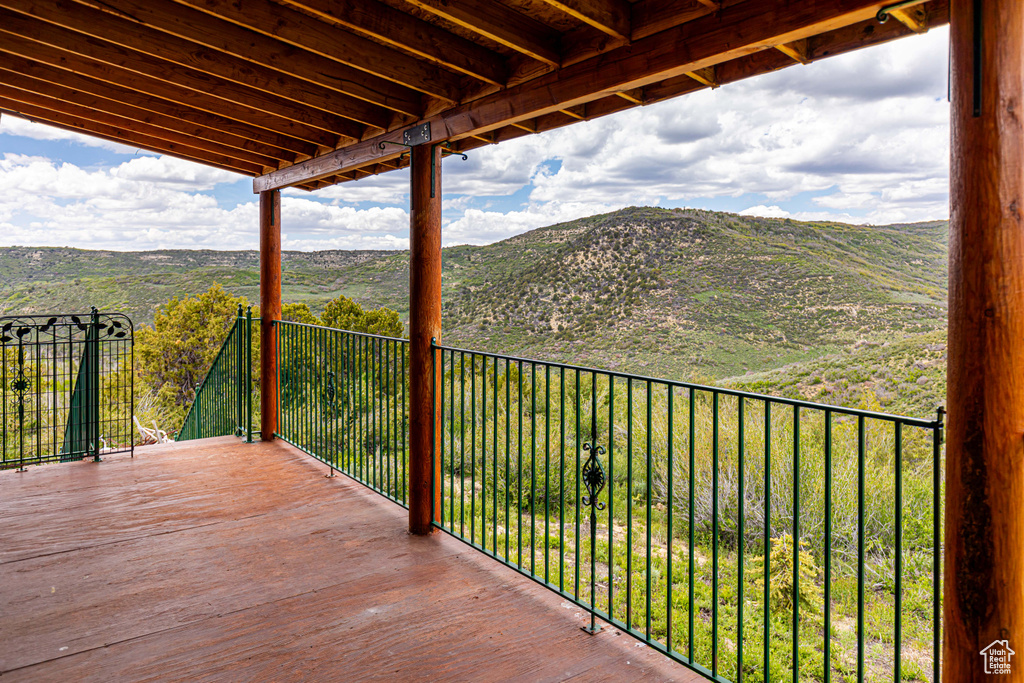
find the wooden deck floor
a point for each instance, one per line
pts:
(217, 560)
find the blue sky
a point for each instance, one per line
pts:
(860, 138)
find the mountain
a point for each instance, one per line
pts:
(687, 294)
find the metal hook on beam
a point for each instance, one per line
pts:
(884, 13)
(445, 147)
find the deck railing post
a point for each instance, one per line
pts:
(983, 578)
(424, 327)
(270, 308)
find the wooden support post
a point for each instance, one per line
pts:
(270, 308)
(984, 565)
(424, 325)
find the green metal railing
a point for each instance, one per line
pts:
(66, 387)
(698, 494)
(745, 536)
(342, 399)
(223, 405)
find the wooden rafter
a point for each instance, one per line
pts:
(733, 32)
(913, 18)
(607, 16)
(501, 24)
(326, 40)
(406, 32)
(193, 56)
(228, 38)
(797, 50)
(79, 124)
(30, 91)
(56, 106)
(299, 92)
(196, 121)
(851, 37)
(323, 128)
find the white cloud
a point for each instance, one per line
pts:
(12, 125)
(766, 211)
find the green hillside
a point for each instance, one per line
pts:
(771, 303)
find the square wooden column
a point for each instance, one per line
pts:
(984, 564)
(270, 308)
(424, 326)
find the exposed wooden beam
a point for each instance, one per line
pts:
(528, 126)
(114, 134)
(58, 100)
(912, 18)
(705, 76)
(406, 32)
(797, 51)
(501, 24)
(326, 40)
(120, 66)
(654, 16)
(255, 48)
(149, 41)
(745, 62)
(607, 16)
(636, 95)
(195, 121)
(579, 112)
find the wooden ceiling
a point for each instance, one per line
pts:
(302, 92)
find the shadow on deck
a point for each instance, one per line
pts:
(217, 560)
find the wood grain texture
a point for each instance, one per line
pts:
(470, 121)
(228, 38)
(424, 326)
(984, 561)
(219, 560)
(270, 308)
(406, 32)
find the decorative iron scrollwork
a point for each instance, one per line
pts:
(35, 329)
(331, 391)
(593, 476)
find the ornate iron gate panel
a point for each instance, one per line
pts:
(66, 387)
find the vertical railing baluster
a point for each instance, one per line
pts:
(611, 496)
(714, 533)
(533, 468)
(649, 512)
(508, 454)
(898, 611)
(741, 532)
(796, 543)
(767, 557)
(629, 503)
(692, 427)
(561, 482)
(547, 470)
(861, 438)
(937, 439)
(670, 455)
(828, 549)
(472, 447)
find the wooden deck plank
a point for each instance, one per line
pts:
(217, 560)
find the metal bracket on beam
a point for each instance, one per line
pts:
(417, 135)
